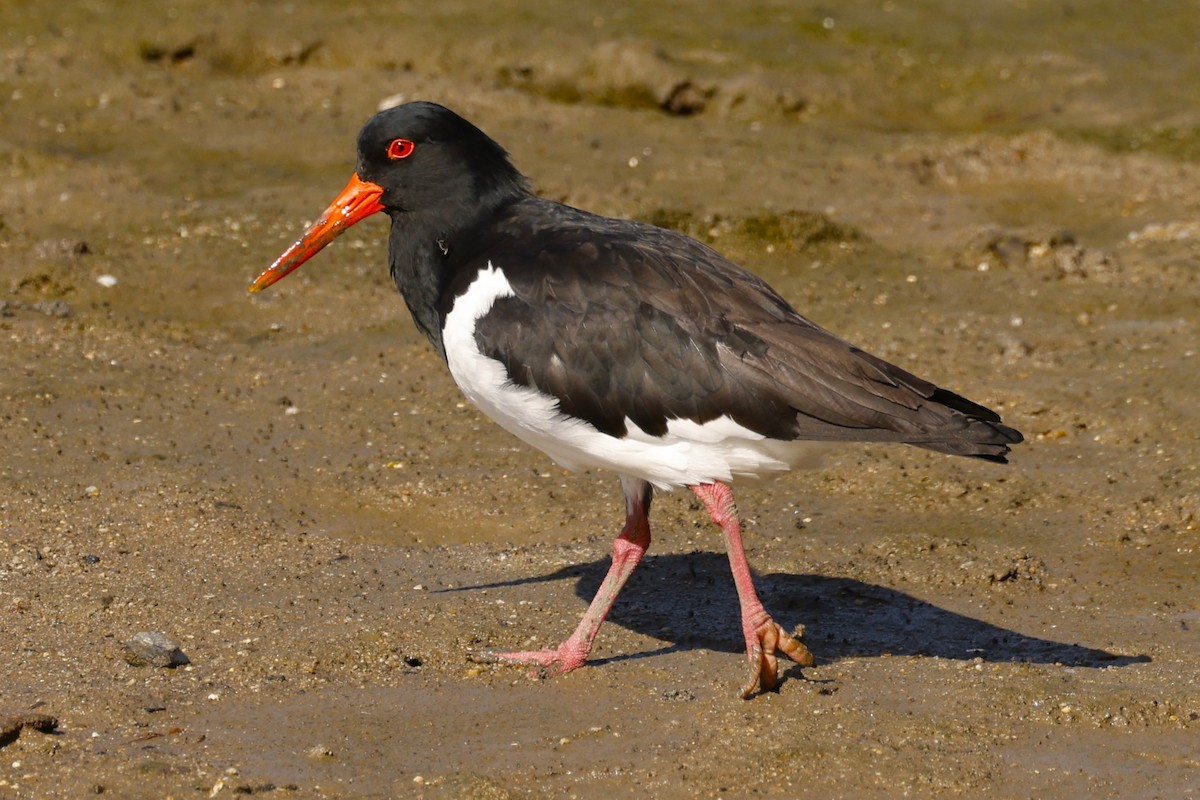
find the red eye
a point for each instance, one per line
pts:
(400, 148)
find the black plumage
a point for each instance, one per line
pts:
(618, 319)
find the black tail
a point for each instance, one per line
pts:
(982, 436)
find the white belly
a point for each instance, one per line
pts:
(688, 454)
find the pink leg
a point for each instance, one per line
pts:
(763, 634)
(628, 549)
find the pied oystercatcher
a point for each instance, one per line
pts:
(615, 344)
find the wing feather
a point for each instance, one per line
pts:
(646, 325)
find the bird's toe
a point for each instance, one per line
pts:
(768, 639)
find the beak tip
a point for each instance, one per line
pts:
(358, 200)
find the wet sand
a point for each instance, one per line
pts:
(290, 487)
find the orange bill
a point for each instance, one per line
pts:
(359, 200)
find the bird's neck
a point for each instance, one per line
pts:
(426, 251)
(418, 268)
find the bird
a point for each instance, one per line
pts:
(617, 345)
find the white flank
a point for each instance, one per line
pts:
(688, 454)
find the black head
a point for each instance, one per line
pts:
(427, 167)
(427, 158)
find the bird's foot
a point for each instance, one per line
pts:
(566, 657)
(762, 641)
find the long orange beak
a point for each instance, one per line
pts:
(360, 199)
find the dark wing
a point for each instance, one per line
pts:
(632, 321)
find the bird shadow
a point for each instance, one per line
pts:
(688, 601)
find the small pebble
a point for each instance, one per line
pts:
(153, 649)
(391, 101)
(107, 281)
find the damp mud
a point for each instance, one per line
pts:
(288, 486)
